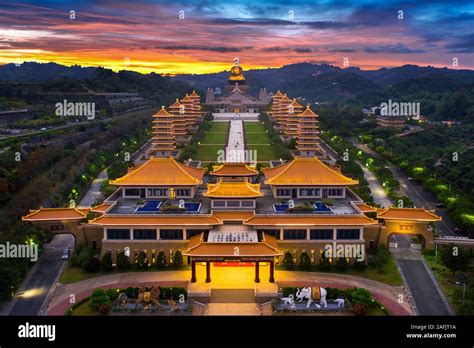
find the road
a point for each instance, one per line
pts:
(417, 195)
(93, 194)
(34, 290)
(422, 286)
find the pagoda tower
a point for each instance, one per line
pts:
(181, 122)
(307, 140)
(163, 139)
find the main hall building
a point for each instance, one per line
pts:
(234, 213)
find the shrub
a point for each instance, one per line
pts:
(379, 257)
(288, 262)
(123, 263)
(334, 293)
(341, 264)
(113, 294)
(177, 259)
(106, 262)
(454, 261)
(289, 290)
(359, 265)
(361, 296)
(92, 265)
(161, 260)
(104, 309)
(360, 309)
(99, 298)
(324, 263)
(176, 292)
(305, 261)
(142, 261)
(131, 292)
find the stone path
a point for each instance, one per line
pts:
(233, 309)
(236, 145)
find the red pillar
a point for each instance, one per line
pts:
(193, 271)
(272, 277)
(257, 272)
(208, 272)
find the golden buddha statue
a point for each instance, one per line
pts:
(236, 73)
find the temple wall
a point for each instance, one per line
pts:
(407, 227)
(116, 246)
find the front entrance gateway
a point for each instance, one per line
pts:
(230, 271)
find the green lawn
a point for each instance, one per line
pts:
(257, 138)
(254, 127)
(219, 127)
(213, 141)
(208, 153)
(215, 138)
(264, 152)
(388, 274)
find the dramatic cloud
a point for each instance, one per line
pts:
(204, 36)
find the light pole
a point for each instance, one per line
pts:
(463, 290)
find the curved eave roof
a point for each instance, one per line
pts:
(411, 214)
(161, 171)
(55, 214)
(234, 169)
(233, 190)
(306, 171)
(305, 220)
(163, 220)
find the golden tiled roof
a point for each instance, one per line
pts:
(55, 214)
(186, 99)
(365, 208)
(241, 189)
(415, 214)
(278, 94)
(162, 112)
(175, 105)
(156, 220)
(304, 220)
(234, 169)
(194, 94)
(161, 171)
(197, 247)
(101, 208)
(233, 215)
(308, 112)
(305, 171)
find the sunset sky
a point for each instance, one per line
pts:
(205, 36)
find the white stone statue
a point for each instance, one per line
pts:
(307, 293)
(288, 301)
(340, 302)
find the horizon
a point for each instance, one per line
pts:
(199, 37)
(243, 66)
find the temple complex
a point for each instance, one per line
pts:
(233, 213)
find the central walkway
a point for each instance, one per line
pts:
(235, 151)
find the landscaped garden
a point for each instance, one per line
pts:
(380, 266)
(213, 140)
(159, 300)
(352, 301)
(85, 263)
(257, 138)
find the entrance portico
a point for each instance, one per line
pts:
(205, 266)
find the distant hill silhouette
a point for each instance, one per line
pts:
(314, 82)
